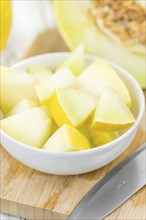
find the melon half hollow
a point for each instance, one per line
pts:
(86, 22)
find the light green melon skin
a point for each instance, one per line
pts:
(76, 27)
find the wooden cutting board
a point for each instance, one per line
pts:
(35, 195)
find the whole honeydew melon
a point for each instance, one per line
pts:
(77, 26)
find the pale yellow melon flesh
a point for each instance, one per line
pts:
(41, 73)
(71, 106)
(67, 138)
(77, 27)
(62, 79)
(32, 127)
(1, 115)
(75, 61)
(47, 111)
(112, 114)
(99, 74)
(45, 108)
(85, 131)
(15, 86)
(23, 105)
(100, 138)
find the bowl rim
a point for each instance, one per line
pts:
(91, 150)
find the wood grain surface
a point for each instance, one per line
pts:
(35, 195)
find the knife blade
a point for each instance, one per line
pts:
(114, 189)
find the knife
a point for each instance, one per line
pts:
(114, 189)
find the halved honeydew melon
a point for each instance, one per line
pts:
(22, 106)
(71, 106)
(100, 74)
(112, 114)
(41, 73)
(67, 138)
(15, 86)
(75, 61)
(32, 127)
(62, 79)
(76, 26)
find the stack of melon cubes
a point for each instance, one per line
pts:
(76, 107)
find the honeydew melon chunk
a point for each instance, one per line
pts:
(45, 108)
(23, 105)
(54, 127)
(76, 25)
(1, 115)
(100, 74)
(41, 73)
(15, 86)
(67, 138)
(62, 79)
(32, 127)
(100, 138)
(75, 61)
(71, 106)
(112, 114)
(85, 131)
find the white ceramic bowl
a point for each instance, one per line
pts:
(69, 163)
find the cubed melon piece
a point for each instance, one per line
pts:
(67, 138)
(46, 109)
(15, 86)
(1, 115)
(62, 79)
(23, 105)
(112, 114)
(32, 127)
(100, 138)
(100, 74)
(71, 106)
(41, 73)
(75, 61)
